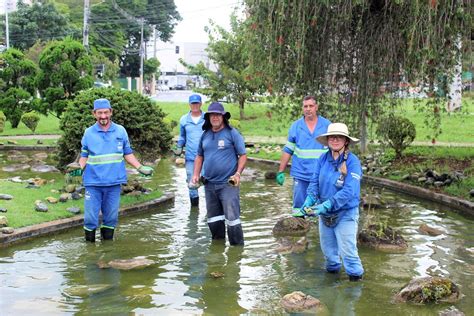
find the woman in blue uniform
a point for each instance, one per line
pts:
(334, 194)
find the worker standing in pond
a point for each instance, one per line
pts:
(334, 195)
(222, 155)
(105, 148)
(190, 131)
(303, 149)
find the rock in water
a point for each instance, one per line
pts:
(291, 226)
(126, 264)
(428, 290)
(299, 302)
(86, 290)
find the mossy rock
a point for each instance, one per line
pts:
(291, 226)
(382, 238)
(429, 290)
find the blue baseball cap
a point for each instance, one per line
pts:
(101, 104)
(195, 98)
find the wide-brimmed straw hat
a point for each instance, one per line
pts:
(336, 129)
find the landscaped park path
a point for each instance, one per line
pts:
(249, 139)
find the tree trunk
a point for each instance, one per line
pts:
(241, 107)
(363, 130)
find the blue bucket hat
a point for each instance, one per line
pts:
(101, 104)
(217, 107)
(195, 98)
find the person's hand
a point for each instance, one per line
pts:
(145, 170)
(194, 181)
(235, 180)
(75, 173)
(178, 151)
(308, 202)
(322, 208)
(280, 178)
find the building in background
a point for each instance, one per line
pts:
(173, 74)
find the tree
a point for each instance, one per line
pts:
(235, 77)
(39, 21)
(65, 69)
(17, 75)
(353, 48)
(150, 67)
(115, 28)
(144, 121)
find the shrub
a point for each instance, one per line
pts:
(144, 121)
(397, 132)
(172, 123)
(31, 120)
(235, 123)
(3, 119)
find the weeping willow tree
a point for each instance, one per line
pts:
(349, 52)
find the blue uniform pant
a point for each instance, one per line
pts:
(223, 207)
(101, 199)
(299, 193)
(340, 241)
(193, 193)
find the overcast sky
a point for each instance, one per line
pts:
(196, 15)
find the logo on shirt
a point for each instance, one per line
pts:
(119, 146)
(220, 144)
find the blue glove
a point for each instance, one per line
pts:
(145, 170)
(322, 208)
(178, 151)
(308, 202)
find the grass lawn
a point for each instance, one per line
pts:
(21, 209)
(46, 125)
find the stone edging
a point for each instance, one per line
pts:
(48, 228)
(25, 147)
(465, 206)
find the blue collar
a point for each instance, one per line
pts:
(97, 127)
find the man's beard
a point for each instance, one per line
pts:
(104, 122)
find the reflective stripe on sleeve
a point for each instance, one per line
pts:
(291, 146)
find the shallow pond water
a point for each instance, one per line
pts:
(36, 277)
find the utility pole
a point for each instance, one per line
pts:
(141, 56)
(153, 79)
(85, 30)
(7, 35)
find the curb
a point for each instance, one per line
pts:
(52, 227)
(24, 147)
(464, 206)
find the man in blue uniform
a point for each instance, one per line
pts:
(222, 156)
(190, 131)
(105, 146)
(304, 148)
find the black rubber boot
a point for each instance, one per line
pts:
(194, 201)
(355, 278)
(90, 235)
(106, 233)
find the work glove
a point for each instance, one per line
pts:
(145, 170)
(280, 178)
(74, 169)
(308, 202)
(322, 208)
(178, 151)
(76, 173)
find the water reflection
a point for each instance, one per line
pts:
(40, 273)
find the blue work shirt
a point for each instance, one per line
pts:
(104, 150)
(304, 147)
(190, 134)
(327, 183)
(221, 151)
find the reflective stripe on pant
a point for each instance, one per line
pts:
(341, 242)
(193, 193)
(299, 193)
(105, 199)
(223, 208)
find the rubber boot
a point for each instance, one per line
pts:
(90, 235)
(355, 278)
(107, 233)
(194, 201)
